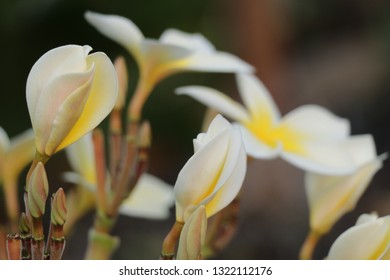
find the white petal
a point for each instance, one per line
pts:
(221, 62)
(217, 125)
(4, 142)
(323, 158)
(231, 179)
(255, 147)
(119, 29)
(330, 197)
(317, 123)
(366, 218)
(101, 101)
(217, 100)
(197, 179)
(151, 198)
(56, 62)
(258, 100)
(362, 148)
(195, 42)
(362, 242)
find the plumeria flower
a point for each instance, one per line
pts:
(151, 197)
(213, 176)
(309, 137)
(175, 51)
(69, 92)
(330, 197)
(369, 239)
(15, 155)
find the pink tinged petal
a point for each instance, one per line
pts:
(101, 99)
(255, 147)
(231, 178)
(316, 123)
(258, 100)
(221, 62)
(193, 235)
(53, 64)
(198, 178)
(362, 242)
(152, 198)
(216, 100)
(195, 42)
(330, 197)
(60, 105)
(119, 29)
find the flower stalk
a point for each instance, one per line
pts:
(170, 242)
(14, 247)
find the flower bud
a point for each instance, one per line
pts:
(38, 189)
(58, 208)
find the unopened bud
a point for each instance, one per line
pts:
(38, 189)
(121, 70)
(192, 237)
(58, 208)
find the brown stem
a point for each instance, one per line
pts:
(14, 247)
(139, 98)
(170, 241)
(3, 238)
(101, 194)
(38, 239)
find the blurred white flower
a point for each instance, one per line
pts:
(309, 137)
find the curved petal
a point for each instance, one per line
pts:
(217, 100)
(362, 149)
(60, 104)
(258, 100)
(221, 62)
(362, 242)
(56, 62)
(330, 197)
(255, 147)
(316, 123)
(4, 144)
(198, 177)
(119, 29)
(235, 169)
(323, 158)
(195, 42)
(151, 198)
(101, 100)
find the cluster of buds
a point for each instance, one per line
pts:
(29, 243)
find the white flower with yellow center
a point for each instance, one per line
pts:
(309, 137)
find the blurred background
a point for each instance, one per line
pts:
(331, 53)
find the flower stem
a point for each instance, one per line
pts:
(101, 245)
(170, 241)
(309, 245)
(14, 247)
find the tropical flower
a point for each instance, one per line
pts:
(68, 94)
(369, 239)
(151, 197)
(330, 197)
(193, 235)
(175, 51)
(309, 137)
(214, 174)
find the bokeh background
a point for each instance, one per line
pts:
(331, 53)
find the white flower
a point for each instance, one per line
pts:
(68, 94)
(309, 137)
(175, 51)
(369, 239)
(214, 175)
